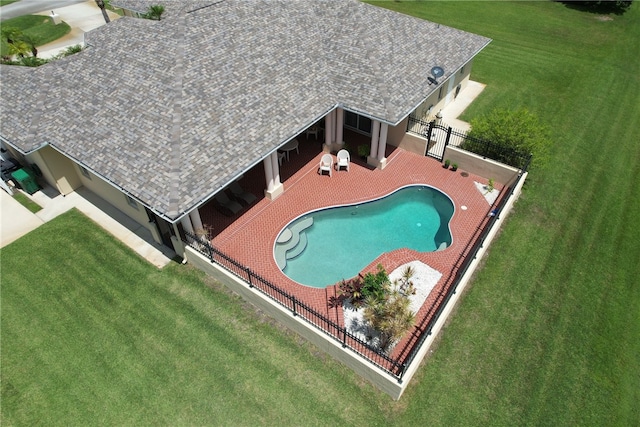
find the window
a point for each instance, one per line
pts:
(462, 70)
(85, 172)
(357, 122)
(440, 92)
(131, 201)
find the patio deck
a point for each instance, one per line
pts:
(250, 235)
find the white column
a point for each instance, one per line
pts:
(176, 241)
(194, 215)
(186, 224)
(339, 125)
(328, 129)
(272, 176)
(382, 147)
(375, 134)
(275, 168)
(268, 173)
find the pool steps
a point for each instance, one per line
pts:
(291, 242)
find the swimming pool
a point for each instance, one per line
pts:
(322, 247)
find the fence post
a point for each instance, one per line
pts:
(446, 141)
(403, 368)
(344, 337)
(248, 270)
(432, 123)
(294, 306)
(210, 249)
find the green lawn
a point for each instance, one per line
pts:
(94, 335)
(547, 335)
(27, 202)
(40, 29)
(6, 2)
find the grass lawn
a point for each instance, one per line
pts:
(39, 28)
(27, 202)
(6, 2)
(547, 334)
(92, 334)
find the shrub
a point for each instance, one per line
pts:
(363, 150)
(358, 289)
(71, 50)
(389, 315)
(374, 284)
(386, 305)
(509, 135)
(154, 12)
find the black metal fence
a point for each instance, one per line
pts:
(460, 268)
(298, 308)
(394, 366)
(439, 136)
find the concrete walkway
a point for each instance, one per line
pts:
(82, 18)
(16, 221)
(451, 112)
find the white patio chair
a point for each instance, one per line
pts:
(326, 164)
(343, 160)
(240, 194)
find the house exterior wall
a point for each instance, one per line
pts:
(9, 151)
(56, 169)
(117, 199)
(410, 142)
(437, 101)
(396, 134)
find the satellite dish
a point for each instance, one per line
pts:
(437, 72)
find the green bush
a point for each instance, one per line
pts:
(374, 285)
(509, 136)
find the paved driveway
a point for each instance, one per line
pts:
(82, 16)
(16, 220)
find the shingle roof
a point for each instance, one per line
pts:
(173, 110)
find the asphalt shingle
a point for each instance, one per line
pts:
(173, 110)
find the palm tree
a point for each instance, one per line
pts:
(155, 12)
(32, 46)
(18, 43)
(101, 5)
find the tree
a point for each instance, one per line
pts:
(19, 44)
(154, 12)
(101, 4)
(32, 46)
(508, 136)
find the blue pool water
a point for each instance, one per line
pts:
(323, 247)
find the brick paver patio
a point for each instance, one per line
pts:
(250, 235)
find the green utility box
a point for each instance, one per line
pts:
(26, 180)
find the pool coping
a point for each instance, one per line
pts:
(367, 266)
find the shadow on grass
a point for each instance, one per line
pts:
(617, 7)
